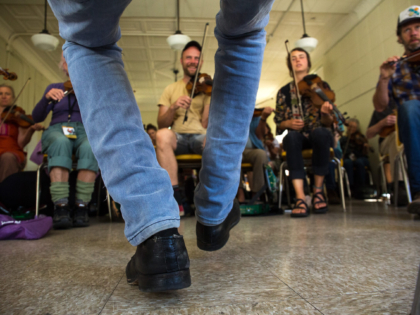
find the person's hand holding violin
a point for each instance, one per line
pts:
(388, 67)
(182, 102)
(266, 112)
(389, 121)
(37, 127)
(55, 95)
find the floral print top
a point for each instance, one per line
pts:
(287, 108)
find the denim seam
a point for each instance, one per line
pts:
(150, 226)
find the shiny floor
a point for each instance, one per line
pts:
(364, 261)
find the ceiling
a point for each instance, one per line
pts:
(146, 24)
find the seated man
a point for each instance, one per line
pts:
(387, 146)
(255, 153)
(182, 138)
(151, 131)
(66, 135)
(271, 145)
(399, 81)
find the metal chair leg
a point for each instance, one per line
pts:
(370, 177)
(108, 198)
(281, 172)
(341, 183)
(289, 204)
(396, 171)
(405, 176)
(347, 181)
(38, 192)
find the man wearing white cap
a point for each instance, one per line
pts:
(400, 80)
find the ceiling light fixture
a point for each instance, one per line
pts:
(178, 40)
(306, 42)
(44, 40)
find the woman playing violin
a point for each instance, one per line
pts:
(13, 138)
(64, 137)
(313, 131)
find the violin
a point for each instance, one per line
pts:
(360, 140)
(413, 57)
(257, 112)
(204, 85)
(312, 86)
(68, 89)
(388, 130)
(8, 75)
(16, 115)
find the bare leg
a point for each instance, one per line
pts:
(59, 174)
(388, 174)
(86, 176)
(165, 147)
(319, 182)
(300, 193)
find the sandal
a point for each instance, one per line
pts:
(321, 200)
(298, 204)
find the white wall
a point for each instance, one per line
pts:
(30, 95)
(351, 67)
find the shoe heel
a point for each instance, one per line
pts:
(165, 282)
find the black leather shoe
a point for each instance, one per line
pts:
(81, 217)
(61, 218)
(160, 264)
(211, 238)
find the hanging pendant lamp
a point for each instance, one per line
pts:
(44, 40)
(306, 42)
(178, 40)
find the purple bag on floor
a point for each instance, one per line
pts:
(11, 229)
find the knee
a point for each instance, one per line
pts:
(7, 157)
(409, 110)
(359, 163)
(321, 135)
(61, 142)
(261, 156)
(348, 163)
(292, 137)
(165, 138)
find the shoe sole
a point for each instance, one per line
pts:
(216, 246)
(63, 224)
(414, 208)
(163, 282)
(80, 224)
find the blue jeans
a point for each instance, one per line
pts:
(187, 143)
(409, 132)
(356, 171)
(113, 123)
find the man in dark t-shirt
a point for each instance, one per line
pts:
(387, 145)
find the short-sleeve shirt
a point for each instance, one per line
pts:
(404, 85)
(287, 108)
(378, 116)
(193, 125)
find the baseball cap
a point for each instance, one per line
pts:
(409, 15)
(192, 43)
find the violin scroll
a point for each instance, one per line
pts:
(8, 75)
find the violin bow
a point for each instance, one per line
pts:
(14, 102)
(294, 79)
(198, 68)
